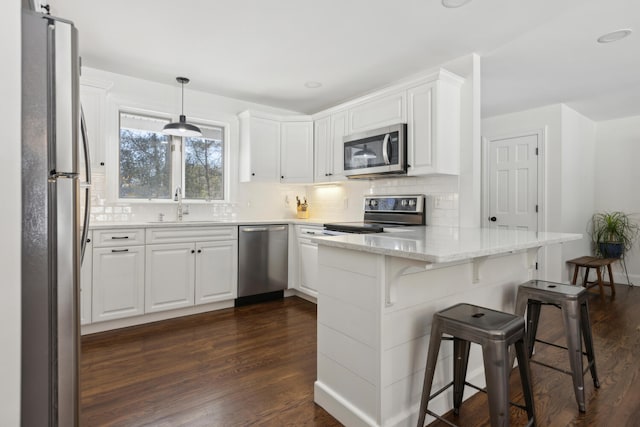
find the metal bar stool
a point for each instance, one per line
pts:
(573, 301)
(495, 331)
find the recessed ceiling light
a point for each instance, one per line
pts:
(614, 36)
(312, 85)
(454, 3)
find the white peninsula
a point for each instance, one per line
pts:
(377, 295)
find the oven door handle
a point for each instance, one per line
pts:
(385, 149)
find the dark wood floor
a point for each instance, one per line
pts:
(253, 365)
(256, 365)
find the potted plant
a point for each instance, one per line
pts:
(613, 233)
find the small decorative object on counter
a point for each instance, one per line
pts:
(302, 208)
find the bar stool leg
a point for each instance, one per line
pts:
(588, 341)
(572, 327)
(460, 364)
(533, 317)
(525, 378)
(575, 275)
(496, 371)
(432, 358)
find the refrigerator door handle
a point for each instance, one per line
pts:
(85, 147)
(85, 222)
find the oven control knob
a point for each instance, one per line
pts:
(373, 203)
(404, 202)
(412, 202)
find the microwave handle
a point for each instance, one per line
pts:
(385, 149)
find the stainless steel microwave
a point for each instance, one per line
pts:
(376, 153)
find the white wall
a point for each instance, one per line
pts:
(247, 200)
(10, 221)
(618, 177)
(568, 152)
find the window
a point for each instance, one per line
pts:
(145, 158)
(204, 165)
(150, 169)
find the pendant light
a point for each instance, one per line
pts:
(365, 153)
(182, 128)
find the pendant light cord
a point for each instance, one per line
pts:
(182, 110)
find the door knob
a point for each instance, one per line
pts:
(493, 219)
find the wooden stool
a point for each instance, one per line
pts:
(495, 331)
(590, 262)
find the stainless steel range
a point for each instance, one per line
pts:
(382, 212)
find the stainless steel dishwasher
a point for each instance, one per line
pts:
(262, 262)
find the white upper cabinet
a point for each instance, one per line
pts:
(433, 125)
(259, 148)
(93, 97)
(329, 132)
(378, 112)
(296, 151)
(275, 148)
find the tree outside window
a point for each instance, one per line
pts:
(204, 165)
(145, 158)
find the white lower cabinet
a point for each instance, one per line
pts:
(307, 260)
(199, 268)
(86, 279)
(216, 271)
(118, 282)
(169, 279)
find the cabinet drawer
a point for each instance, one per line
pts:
(121, 237)
(189, 234)
(309, 231)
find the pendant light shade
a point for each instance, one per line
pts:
(181, 127)
(365, 153)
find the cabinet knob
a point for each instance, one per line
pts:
(493, 219)
(281, 176)
(199, 251)
(101, 163)
(193, 251)
(253, 174)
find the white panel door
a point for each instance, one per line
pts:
(118, 282)
(169, 282)
(513, 182)
(216, 271)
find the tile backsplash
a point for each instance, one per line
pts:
(334, 202)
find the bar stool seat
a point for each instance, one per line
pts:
(495, 331)
(573, 301)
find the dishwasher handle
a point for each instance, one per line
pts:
(255, 229)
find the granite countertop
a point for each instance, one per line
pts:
(205, 223)
(445, 244)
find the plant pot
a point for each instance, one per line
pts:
(611, 249)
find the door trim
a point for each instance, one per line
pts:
(542, 190)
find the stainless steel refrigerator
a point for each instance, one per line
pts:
(51, 229)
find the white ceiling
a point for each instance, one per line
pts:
(534, 52)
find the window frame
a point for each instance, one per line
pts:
(177, 158)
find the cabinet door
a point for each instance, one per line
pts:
(216, 271)
(118, 282)
(93, 101)
(433, 140)
(86, 272)
(323, 149)
(169, 281)
(421, 129)
(264, 147)
(296, 152)
(378, 112)
(308, 267)
(338, 131)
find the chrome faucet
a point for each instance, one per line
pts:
(178, 198)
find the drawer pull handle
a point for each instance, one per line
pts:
(119, 237)
(119, 250)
